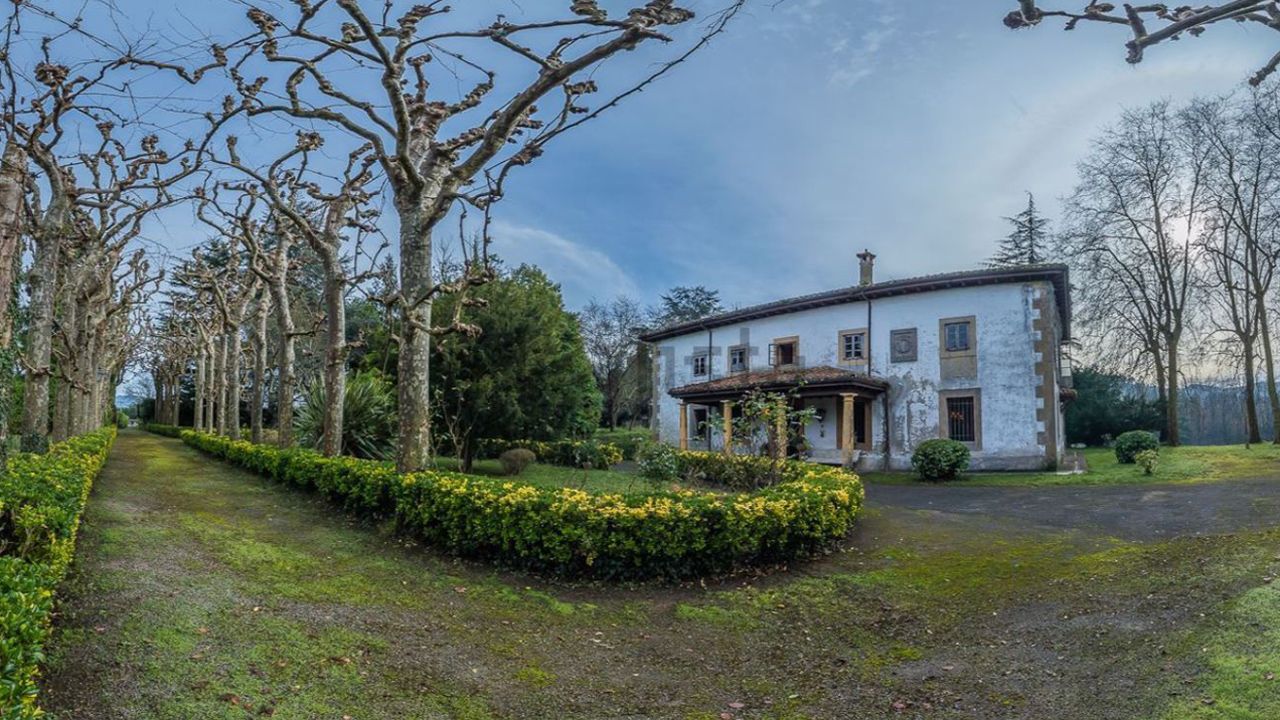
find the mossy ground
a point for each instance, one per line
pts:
(1188, 463)
(204, 592)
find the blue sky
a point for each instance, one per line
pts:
(813, 129)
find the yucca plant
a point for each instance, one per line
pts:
(368, 416)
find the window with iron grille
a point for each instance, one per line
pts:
(700, 364)
(962, 419)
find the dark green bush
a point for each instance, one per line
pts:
(571, 532)
(566, 453)
(368, 416)
(940, 459)
(122, 419)
(1130, 443)
(515, 460)
(41, 500)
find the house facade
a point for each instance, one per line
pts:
(976, 356)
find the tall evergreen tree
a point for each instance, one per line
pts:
(1024, 245)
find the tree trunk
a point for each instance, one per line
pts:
(335, 370)
(1172, 434)
(220, 384)
(197, 419)
(1250, 402)
(42, 286)
(1269, 365)
(234, 351)
(259, 368)
(284, 357)
(13, 169)
(414, 377)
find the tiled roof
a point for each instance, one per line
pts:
(1054, 273)
(783, 378)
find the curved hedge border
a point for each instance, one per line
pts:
(568, 453)
(571, 532)
(41, 500)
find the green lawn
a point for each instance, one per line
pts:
(554, 476)
(201, 592)
(1200, 463)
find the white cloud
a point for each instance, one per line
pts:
(583, 272)
(859, 61)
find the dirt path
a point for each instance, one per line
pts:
(1133, 512)
(203, 592)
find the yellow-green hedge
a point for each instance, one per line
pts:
(569, 531)
(41, 500)
(172, 431)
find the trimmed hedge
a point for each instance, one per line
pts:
(41, 500)
(172, 431)
(568, 453)
(571, 532)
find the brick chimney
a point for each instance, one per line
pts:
(866, 267)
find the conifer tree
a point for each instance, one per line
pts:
(1024, 245)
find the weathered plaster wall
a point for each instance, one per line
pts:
(1008, 326)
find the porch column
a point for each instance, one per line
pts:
(684, 427)
(846, 432)
(728, 426)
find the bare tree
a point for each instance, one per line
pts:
(609, 335)
(1130, 225)
(1173, 22)
(1241, 184)
(433, 149)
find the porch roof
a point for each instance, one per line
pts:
(822, 380)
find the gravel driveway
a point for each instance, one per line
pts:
(1131, 512)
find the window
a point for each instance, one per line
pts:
(701, 428)
(958, 337)
(853, 346)
(738, 359)
(701, 364)
(961, 420)
(785, 352)
(961, 423)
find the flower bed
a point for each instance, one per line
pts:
(41, 500)
(571, 532)
(568, 453)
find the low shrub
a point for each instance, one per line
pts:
(567, 453)
(41, 500)
(162, 429)
(1129, 444)
(122, 419)
(940, 459)
(515, 460)
(736, 472)
(658, 462)
(571, 532)
(1148, 460)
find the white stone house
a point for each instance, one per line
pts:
(976, 356)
